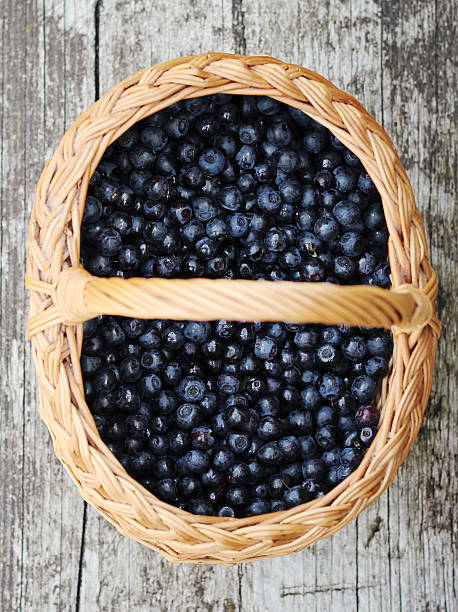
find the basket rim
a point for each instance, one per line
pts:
(243, 526)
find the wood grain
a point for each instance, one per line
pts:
(56, 57)
(45, 47)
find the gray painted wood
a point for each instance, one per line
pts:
(56, 55)
(45, 50)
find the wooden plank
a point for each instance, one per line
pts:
(43, 45)
(294, 31)
(17, 49)
(68, 88)
(418, 99)
(133, 36)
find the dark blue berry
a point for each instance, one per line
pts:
(294, 496)
(346, 178)
(363, 388)
(212, 161)
(268, 199)
(330, 386)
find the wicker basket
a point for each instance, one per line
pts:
(63, 295)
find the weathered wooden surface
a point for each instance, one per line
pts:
(56, 56)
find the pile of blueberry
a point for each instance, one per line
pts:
(233, 418)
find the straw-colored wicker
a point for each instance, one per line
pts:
(63, 295)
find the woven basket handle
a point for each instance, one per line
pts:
(78, 296)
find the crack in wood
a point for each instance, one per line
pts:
(238, 26)
(301, 591)
(373, 529)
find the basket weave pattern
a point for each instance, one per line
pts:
(63, 295)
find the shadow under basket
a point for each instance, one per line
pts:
(64, 295)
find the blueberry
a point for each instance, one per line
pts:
(275, 240)
(150, 339)
(158, 445)
(324, 416)
(142, 157)
(149, 385)
(331, 457)
(346, 178)
(238, 225)
(127, 398)
(310, 398)
(128, 139)
(116, 429)
(230, 198)
(269, 429)
(326, 437)
(258, 506)
(143, 463)
(313, 269)
(365, 184)
(279, 133)
(306, 338)
(294, 496)
(228, 383)
(354, 348)
(381, 275)
(347, 213)
(277, 505)
(309, 199)
(329, 358)
(238, 443)
(350, 457)
(268, 199)
(315, 141)
(330, 386)
(110, 241)
(212, 161)
(289, 448)
(177, 127)
(137, 426)
(366, 435)
(268, 405)
(197, 106)
(363, 388)
(130, 369)
(351, 244)
(189, 486)
(376, 367)
(298, 116)
(267, 106)
(367, 416)
(107, 191)
(154, 136)
(178, 441)
(113, 334)
(314, 469)
(270, 454)
(323, 180)
(92, 210)
(186, 151)
(344, 267)
(237, 495)
(380, 344)
(226, 511)
(285, 159)
(172, 338)
(265, 347)
(193, 462)
(246, 157)
(227, 143)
